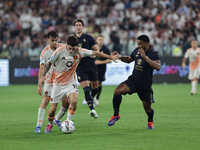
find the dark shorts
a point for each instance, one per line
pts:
(87, 73)
(101, 74)
(145, 94)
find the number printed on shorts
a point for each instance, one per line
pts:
(75, 86)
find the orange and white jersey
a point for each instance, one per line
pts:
(194, 58)
(67, 63)
(44, 57)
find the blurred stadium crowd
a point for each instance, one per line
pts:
(170, 24)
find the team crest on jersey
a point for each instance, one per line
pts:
(63, 57)
(75, 56)
(139, 61)
(45, 92)
(51, 99)
(84, 40)
(80, 45)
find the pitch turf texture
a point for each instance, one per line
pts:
(177, 119)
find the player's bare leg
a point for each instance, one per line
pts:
(51, 114)
(62, 111)
(73, 98)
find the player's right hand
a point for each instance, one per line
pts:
(114, 58)
(39, 90)
(183, 65)
(41, 81)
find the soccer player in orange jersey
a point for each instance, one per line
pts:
(46, 53)
(66, 59)
(193, 54)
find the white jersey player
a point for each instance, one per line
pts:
(193, 54)
(66, 59)
(46, 53)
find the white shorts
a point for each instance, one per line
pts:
(59, 91)
(47, 89)
(193, 74)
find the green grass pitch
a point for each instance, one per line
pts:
(176, 120)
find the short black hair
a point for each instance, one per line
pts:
(53, 34)
(78, 20)
(72, 40)
(144, 38)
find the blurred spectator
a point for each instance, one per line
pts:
(23, 23)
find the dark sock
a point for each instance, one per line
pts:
(88, 97)
(116, 103)
(150, 116)
(94, 92)
(99, 92)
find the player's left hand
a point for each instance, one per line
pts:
(114, 58)
(142, 52)
(97, 62)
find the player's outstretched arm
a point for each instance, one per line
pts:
(99, 62)
(99, 54)
(41, 81)
(126, 59)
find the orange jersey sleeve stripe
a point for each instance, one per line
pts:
(44, 50)
(59, 49)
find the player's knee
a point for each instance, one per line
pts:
(74, 103)
(86, 89)
(117, 92)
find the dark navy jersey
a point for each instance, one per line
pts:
(104, 49)
(86, 41)
(142, 74)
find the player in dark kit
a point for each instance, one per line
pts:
(101, 64)
(87, 70)
(140, 82)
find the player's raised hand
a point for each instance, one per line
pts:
(142, 52)
(114, 58)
